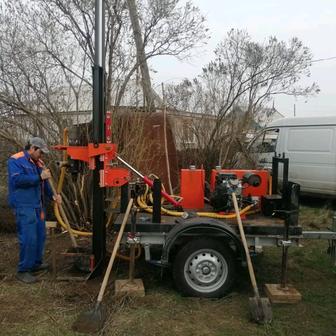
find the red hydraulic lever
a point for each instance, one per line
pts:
(149, 182)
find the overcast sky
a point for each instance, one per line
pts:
(313, 22)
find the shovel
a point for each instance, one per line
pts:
(94, 319)
(260, 308)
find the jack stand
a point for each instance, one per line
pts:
(131, 286)
(283, 293)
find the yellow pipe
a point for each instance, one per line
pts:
(149, 209)
(65, 158)
(59, 190)
(141, 201)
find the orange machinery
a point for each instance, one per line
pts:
(193, 184)
(261, 190)
(192, 188)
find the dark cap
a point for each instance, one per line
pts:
(40, 143)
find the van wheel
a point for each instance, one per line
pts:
(204, 268)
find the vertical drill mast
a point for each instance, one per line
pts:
(98, 117)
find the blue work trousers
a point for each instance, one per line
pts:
(31, 233)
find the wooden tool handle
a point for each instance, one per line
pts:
(114, 252)
(243, 238)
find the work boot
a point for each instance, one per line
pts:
(26, 277)
(41, 267)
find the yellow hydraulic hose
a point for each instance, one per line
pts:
(59, 190)
(149, 209)
(65, 157)
(143, 205)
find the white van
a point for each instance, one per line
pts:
(310, 145)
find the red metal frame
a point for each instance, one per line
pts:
(108, 127)
(109, 176)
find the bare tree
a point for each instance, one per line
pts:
(162, 28)
(141, 57)
(46, 55)
(236, 86)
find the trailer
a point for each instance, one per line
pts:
(203, 250)
(204, 253)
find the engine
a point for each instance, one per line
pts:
(225, 184)
(228, 182)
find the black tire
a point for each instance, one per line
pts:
(204, 268)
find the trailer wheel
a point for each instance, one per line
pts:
(204, 268)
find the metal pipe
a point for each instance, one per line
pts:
(99, 32)
(129, 166)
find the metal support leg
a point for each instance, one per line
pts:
(133, 245)
(284, 264)
(131, 286)
(333, 242)
(284, 292)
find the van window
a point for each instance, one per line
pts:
(265, 142)
(310, 139)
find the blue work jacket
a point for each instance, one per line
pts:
(25, 187)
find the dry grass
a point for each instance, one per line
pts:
(49, 308)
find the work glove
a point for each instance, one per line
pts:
(57, 198)
(45, 175)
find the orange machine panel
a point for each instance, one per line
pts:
(262, 190)
(192, 188)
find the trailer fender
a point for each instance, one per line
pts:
(203, 226)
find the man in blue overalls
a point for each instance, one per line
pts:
(28, 187)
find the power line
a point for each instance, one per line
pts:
(324, 59)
